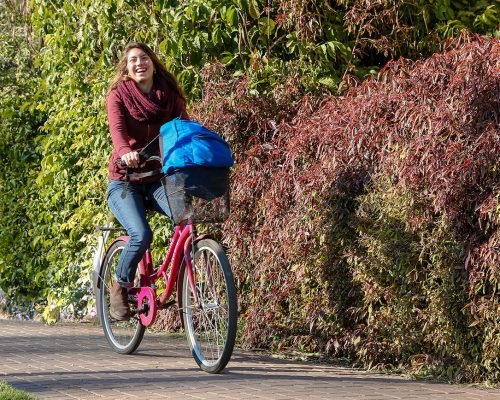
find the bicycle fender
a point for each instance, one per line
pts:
(178, 295)
(97, 261)
(201, 237)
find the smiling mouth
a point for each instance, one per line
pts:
(140, 70)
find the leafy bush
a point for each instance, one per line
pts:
(366, 225)
(22, 264)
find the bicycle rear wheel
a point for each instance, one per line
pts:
(123, 336)
(211, 322)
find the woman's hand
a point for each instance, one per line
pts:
(131, 159)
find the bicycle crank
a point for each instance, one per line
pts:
(147, 307)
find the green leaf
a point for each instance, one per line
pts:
(231, 17)
(253, 9)
(163, 46)
(266, 26)
(329, 83)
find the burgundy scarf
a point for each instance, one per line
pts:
(142, 107)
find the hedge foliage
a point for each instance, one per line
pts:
(367, 226)
(372, 230)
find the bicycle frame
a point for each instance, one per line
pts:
(180, 247)
(179, 250)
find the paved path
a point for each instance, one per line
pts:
(73, 361)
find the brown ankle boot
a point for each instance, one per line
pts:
(119, 308)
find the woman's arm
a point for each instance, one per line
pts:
(117, 124)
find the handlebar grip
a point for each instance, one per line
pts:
(142, 160)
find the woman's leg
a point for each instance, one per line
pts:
(131, 213)
(156, 193)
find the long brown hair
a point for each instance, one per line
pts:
(121, 69)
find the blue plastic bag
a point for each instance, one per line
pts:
(186, 144)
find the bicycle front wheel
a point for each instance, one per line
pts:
(211, 322)
(123, 336)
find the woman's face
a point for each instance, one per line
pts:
(139, 66)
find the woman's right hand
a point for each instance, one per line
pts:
(131, 159)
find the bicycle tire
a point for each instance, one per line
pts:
(210, 325)
(123, 336)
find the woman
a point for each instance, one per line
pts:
(142, 96)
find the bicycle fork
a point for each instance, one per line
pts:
(188, 250)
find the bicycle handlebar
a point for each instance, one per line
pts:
(142, 160)
(131, 171)
(145, 155)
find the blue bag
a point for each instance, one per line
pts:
(186, 144)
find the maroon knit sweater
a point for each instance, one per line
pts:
(129, 134)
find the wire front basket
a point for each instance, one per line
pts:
(198, 195)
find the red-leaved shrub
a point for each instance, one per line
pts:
(367, 226)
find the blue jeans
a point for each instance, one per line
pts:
(131, 213)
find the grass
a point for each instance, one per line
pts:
(7, 392)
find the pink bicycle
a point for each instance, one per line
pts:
(196, 273)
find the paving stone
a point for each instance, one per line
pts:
(74, 361)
